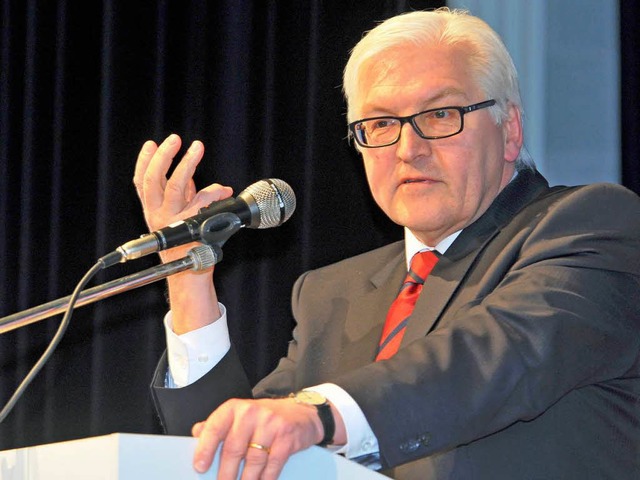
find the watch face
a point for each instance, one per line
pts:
(311, 398)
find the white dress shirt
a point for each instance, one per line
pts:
(193, 354)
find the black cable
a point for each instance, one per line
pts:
(54, 341)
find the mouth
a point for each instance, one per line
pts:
(409, 181)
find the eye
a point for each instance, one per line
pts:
(441, 114)
(381, 123)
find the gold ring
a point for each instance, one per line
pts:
(260, 447)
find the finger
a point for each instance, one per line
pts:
(142, 163)
(254, 425)
(154, 180)
(205, 198)
(236, 449)
(278, 456)
(289, 440)
(190, 191)
(267, 463)
(282, 441)
(197, 429)
(211, 433)
(210, 194)
(256, 458)
(180, 186)
(207, 195)
(258, 439)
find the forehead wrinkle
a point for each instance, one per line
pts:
(387, 71)
(380, 71)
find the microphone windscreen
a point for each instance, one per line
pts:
(274, 199)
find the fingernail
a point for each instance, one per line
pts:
(173, 138)
(200, 466)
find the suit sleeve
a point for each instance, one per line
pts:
(180, 408)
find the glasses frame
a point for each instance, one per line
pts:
(410, 119)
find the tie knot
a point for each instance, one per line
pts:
(421, 265)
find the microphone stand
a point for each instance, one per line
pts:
(199, 258)
(214, 232)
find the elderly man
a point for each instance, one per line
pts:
(520, 357)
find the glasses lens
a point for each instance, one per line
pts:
(439, 123)
(377, 132)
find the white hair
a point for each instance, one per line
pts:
(490, 62)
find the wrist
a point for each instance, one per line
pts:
(193, 301)
(324, 411)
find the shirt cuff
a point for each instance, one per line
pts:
(192, 354)
(360, 438)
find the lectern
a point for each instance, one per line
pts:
(123, 456)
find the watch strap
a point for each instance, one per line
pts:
(328, 423)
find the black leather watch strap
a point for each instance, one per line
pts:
(315, 399)
(328, 424)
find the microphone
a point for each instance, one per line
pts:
(264, 204)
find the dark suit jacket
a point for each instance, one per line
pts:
(521, 359)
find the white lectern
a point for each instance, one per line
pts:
(122, 456)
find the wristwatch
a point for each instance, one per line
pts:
(314, 399)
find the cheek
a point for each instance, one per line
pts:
(478, 186)
(376, 171)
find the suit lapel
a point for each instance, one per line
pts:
(367, 312)
(436, 293)
(454, 266)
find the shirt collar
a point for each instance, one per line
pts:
(412, 245)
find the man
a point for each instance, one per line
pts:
(521, 357)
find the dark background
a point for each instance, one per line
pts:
(83, 85)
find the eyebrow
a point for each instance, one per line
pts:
(424, 105)
(447, 92)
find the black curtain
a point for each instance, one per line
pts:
(630, 93)
(82, 86)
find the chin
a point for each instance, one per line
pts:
(425, 228)
(415, 219)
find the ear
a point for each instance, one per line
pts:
(512, 128)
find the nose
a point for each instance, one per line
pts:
(411, 145)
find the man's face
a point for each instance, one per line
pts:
(434, 187)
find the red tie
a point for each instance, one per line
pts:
(396, 323)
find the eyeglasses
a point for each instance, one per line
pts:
(430, 124)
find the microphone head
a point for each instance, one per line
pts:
(271, 201)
